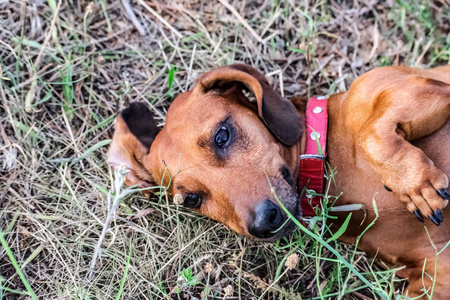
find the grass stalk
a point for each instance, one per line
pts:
(16, 266)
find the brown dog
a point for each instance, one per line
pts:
(390, 129)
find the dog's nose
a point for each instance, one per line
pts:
(268, 217)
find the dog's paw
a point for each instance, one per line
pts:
(424, 193)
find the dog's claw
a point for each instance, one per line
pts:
(387, 188)
(444, 194)
(433, 219)
(438, 215)
(419, 215)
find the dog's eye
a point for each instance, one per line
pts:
(193, 200)
(222, 136)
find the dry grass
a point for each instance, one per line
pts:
(64, 77)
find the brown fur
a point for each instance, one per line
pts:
(391, 128)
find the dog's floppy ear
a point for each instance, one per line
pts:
(134, 133)
(278, 113)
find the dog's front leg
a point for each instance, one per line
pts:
(411, 112)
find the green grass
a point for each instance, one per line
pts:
(17, 268)
(56, 122)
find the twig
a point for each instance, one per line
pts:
(120, 174)
(132, 17)
(31, 93)
(160, 18)
(49, 35)
(376, 41)
(280, 74)
(241, 19)
(323, 64)
(425, 49)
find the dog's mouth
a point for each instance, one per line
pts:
(285, 231)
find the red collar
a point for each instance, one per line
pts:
(312, 162)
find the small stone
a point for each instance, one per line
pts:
(228, 290)
(89, 8)
(178, 199)
(291, 261)
(209, 268)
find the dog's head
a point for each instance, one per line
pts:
(224, 151)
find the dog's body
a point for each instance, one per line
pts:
(397, 238)
(391, 128)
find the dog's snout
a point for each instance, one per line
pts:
(268, 218)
